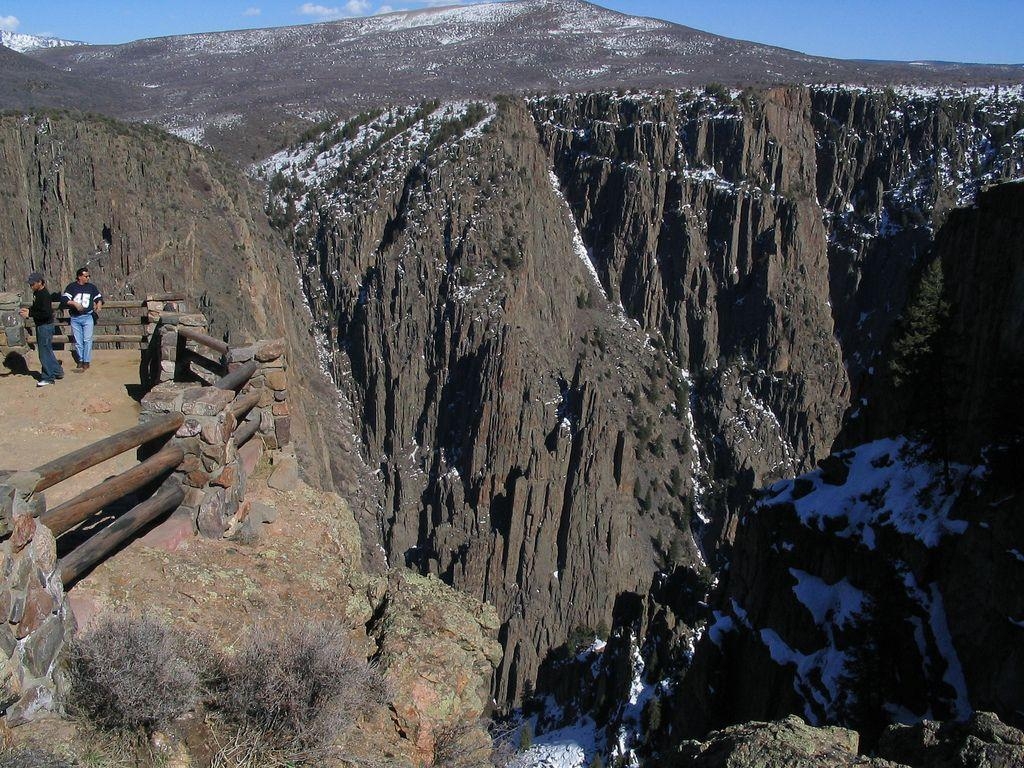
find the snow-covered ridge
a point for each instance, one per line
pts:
(393, 136)
(23, 43)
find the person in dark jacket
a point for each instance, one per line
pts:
(41, 312)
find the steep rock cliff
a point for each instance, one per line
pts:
(505, 402)
(547, 392)
(770, 238)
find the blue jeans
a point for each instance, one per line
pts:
(81, 326)
(47, 360)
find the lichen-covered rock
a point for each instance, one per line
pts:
(787, 743)
(439, 650)
(982, 742)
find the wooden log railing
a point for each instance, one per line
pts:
(96, 549)
(66, 516)
(205, 340)
(244, 403)
(125, 318)
(69, 515)
(246, 429)
(70, 464)
(247, 421)
(187, 356)
(193, 362)
(239, 377)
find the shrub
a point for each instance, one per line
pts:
(30, 757)
(295, 692)
(478, 744)
(132, 672)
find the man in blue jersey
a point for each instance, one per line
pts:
(85, 301)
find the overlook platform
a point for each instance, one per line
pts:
(40, 424)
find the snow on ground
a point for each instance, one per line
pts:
(581, 250)
(890, 485)
(575, 745)
(931, 602)
(838, 604)
(818, 676)
(570, 747)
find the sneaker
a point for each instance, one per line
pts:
(44, 383)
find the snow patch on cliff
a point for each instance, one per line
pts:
(892, 483)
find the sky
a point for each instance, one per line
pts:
(983, 31)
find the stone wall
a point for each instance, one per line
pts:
(165, 358)
(12, 331)
(215, 469)
(35, 619)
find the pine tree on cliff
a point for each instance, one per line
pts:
(916, 364)
(916, 349)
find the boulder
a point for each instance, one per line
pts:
(285, 476)
(787, 743)
(982, 742)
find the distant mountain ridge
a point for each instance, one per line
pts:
(22, 43)
(246, 90)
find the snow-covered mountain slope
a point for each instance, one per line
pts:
(22, 43)
(263, 81)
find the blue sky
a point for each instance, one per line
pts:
(954, 30)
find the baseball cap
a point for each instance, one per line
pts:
(35, 277)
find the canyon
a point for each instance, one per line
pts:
(625, 365)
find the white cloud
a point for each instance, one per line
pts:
(385, 9)
(357, 7)
(320, 11)
(252, 11)
(9, 23)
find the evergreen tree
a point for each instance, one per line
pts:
(916, 348)
(916, 363)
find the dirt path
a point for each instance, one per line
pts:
(40, 424)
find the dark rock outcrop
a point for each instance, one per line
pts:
(787, 743)
(886, 585)
(981, 742)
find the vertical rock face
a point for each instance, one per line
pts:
(702, 220)
(770, 239)
(564, 328)
(504, 401)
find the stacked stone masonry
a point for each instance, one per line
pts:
(163, 360)
(12, 331)
(215, 469)
(35, 620)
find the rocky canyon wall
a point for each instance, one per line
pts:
(885, 586)
(577, 331)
